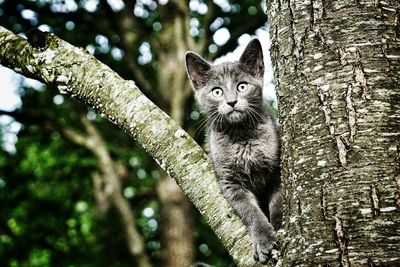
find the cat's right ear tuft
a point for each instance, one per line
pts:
(197, 69)
(252, 58)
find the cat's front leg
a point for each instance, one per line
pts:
(245, 204)
(263, 238)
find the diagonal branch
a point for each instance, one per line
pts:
(77, 74)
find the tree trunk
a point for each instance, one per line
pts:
(176, 217)
(77, 74)
(176, 211)
(337, 69)
(111, 180)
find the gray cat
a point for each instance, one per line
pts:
(243, 141)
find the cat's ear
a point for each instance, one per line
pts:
(252, 58)
(197, 69)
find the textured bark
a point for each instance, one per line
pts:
(77, 74)
(337, 69)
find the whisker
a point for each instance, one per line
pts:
(220, 121)
(254, 119)
(203, 123)
(259, 114)
(254, 116)
(215, 118)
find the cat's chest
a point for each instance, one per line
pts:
(246, 155)
(244, 151)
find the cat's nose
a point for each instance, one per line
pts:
(232, 103)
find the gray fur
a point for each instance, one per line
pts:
(243, 141)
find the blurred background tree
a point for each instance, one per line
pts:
(76, 191)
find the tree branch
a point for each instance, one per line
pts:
(77, 74)
(111, 189)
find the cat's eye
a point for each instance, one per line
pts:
(242, 87)
(217, 92)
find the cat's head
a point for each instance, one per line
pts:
(229, 92)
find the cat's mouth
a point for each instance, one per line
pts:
(232, 111)
(234, 115)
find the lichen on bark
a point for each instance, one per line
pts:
(338, 93)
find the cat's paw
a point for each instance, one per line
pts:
(263, 238)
